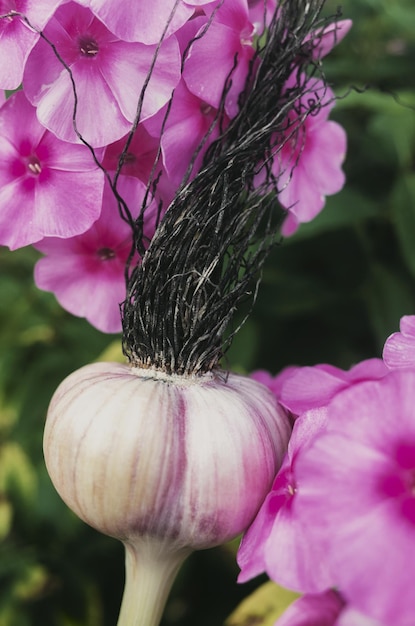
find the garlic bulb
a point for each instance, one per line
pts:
(166, 463)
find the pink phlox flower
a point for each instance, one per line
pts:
(357, 494)
(261, 13)
(321, 609)
(17, 38)
(229, 35)
(109, 75)
(274, 383)
(140, 158)
(190, 128)
(189, 30)
(48, 188)
(309, 157)
(203, 3)
(306, 388)
(86, 273)
(139, 21)
(192, 123)
(399, 349)
(275, 542)
(323, 41)
(350, 616)
(143, 161)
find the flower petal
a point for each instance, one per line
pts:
(313, 610)
(399, 349)
(137, 21)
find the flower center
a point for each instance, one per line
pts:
(246, 35)
(88, 47)
(106, 254)
(401, 482)
(34, 166)
(291, 489)
(128, 158)
(205, 108)
(8, 8)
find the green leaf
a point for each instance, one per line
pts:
(113, 353)
(244, 348)
(9, 616)
(32, 584)
(6, 515)
(17, 474)
(8, 416)
(401, 17)
(344, 209)
(263, 606)
(388, 297)
(397, 133)
(373, 100)
(403, 208)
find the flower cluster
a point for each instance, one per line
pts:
(341, 512)
(117, 110)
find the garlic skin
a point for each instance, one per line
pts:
(168, 464)
(188, 460)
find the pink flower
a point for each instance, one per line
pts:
(109, 75)
(229, 36)
(324, 40)
(260, 13)
(299, 389)
(139, 21)
(399, 349)
(357, 495)
(191, 127)
(48, 188)
(352, 617)
(306, 388)
(308, 165)
(313, 610)
(86, 273)
(274, 383)
(308, 155)
(143, 161)
(17, 39)
(323, 609)
(140, 157)
(188, 126)
(275, 541)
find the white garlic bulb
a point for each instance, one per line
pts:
(166, 463)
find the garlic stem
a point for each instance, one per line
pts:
(149, 579)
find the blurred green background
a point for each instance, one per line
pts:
(332, 293)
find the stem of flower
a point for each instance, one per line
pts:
(149, 578)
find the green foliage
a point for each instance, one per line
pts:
(331, 293)
(262, 607)
(403, 207)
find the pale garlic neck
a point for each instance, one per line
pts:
(147, 585)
